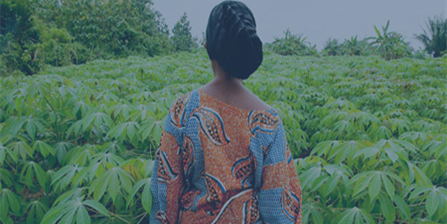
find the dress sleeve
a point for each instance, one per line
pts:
(280, 193)
(167, 175)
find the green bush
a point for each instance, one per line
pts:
(110, 29)
(17, 36)
(434, 37)
(390, 45)
(292, 44)
(55, 47)
(354, 46)
(351, 47)
(59, 33)
(182, 39)
(332, 48)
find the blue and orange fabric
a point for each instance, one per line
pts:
(217, 163)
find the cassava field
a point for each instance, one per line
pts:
(369, 136)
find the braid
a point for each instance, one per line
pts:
(238, 22)
(232, 39)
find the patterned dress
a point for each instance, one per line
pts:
(217, 163)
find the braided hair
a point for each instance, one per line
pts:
(232, 40)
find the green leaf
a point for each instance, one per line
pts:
(97, 206)
(387, 208)
(114, 181)
(309, 177)
(134, 190)
(392, 154)
(70, 211)
(148, 166)
(9, 220)
(403, 206)
(310, 209)
(122, 130)
(4, 205)
(63, 177)
(323, 147)
(68, 82)
(5, 151)
(69, 195)
(354, 215)
(32, 125)
(21, 148)
(69, 216)
(36, 211)
(61, 149)
(146, 199)
(361, 181)
(375, 186)
(389, 187)
(99, 186)
(43, 148)
(152, 128)
(82, 216)
(319, 181)
(9, 200)
(114, 185)
(330, 185)
(14, 125)
(33, 170)
(378, 32)
(317, 217)
(421, 177)
(54, 214)
(31, 129)
(417, 191)
(432, 202)
(41, 175)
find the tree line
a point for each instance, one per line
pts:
(35, 34)
(388, 44)
(38, 33)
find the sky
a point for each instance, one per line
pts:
(318, 20)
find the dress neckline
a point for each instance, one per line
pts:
(229, 105)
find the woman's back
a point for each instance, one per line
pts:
(220, 163)
(223, 164)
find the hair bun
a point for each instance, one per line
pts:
(232, 39)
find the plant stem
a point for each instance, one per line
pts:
(144, 215)
(111, 213)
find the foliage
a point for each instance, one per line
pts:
(368, 136)
(17, 37)
(56, 47)
(352, 46)
(390, 45)
(332, 47)
(434, 37)
(109, 28)
(182, 39)
(292, 44)
(58, 33)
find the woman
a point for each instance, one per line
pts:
(223, 155)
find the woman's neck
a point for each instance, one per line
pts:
(221, 77)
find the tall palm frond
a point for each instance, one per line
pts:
(434, 37)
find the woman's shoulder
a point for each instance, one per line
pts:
(265, 114)
(178, 109)
(267, 121)
(240, 99)
(257, 103)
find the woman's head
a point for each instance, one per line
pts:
(232, 41)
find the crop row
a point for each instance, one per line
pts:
(367, 135)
